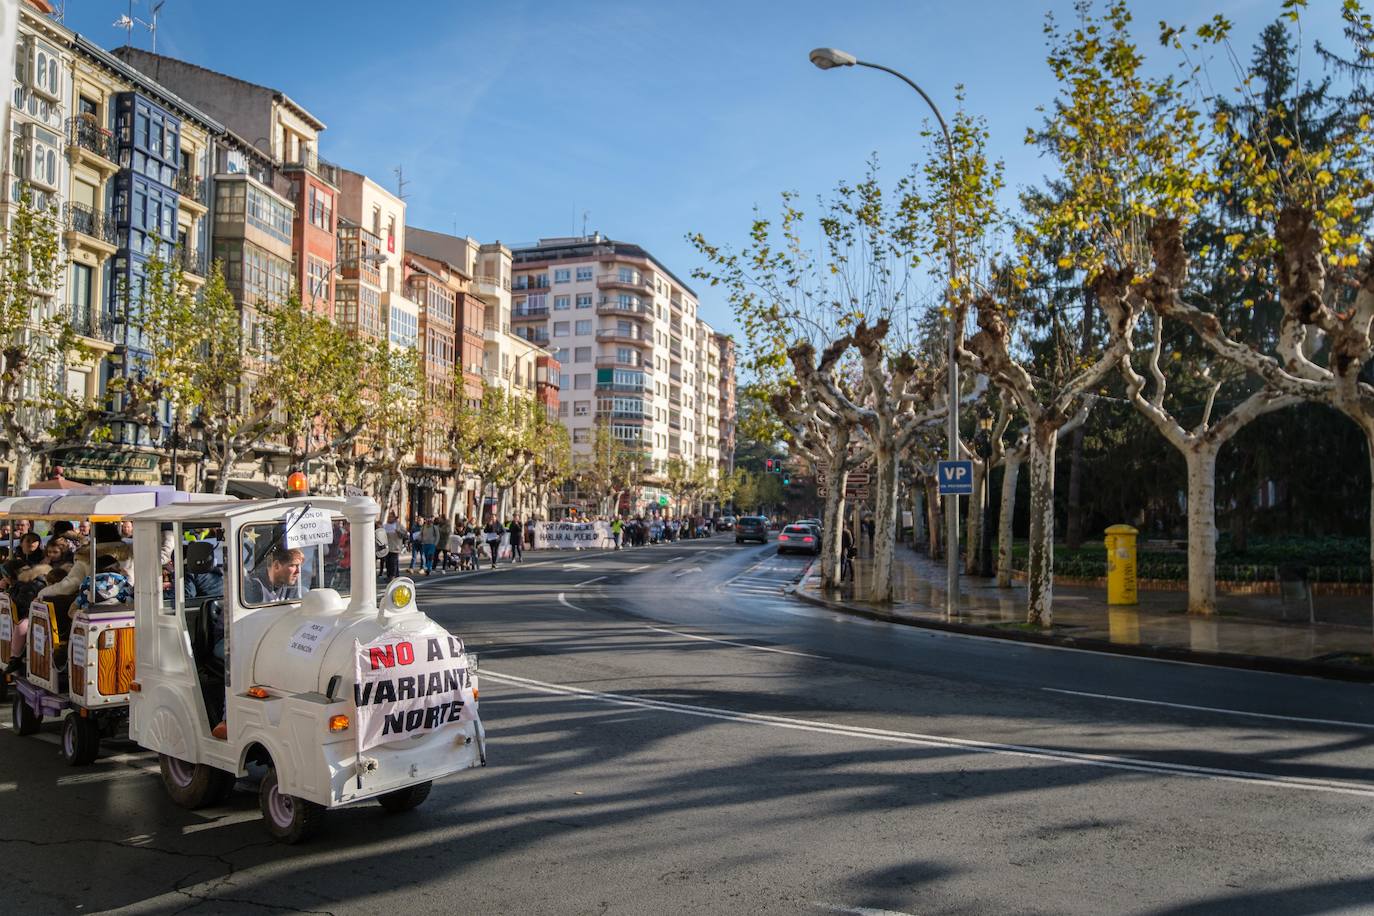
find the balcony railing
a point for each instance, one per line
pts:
(191, 187)
(306, 158)
(81, 319)
(615, 362)
(612, 335)
(639, 281)
(502, 282)
(622, 387)
(541, 339)
(83, 219)
(91, 137)
(522, 283)
(608, 306)
(193, 261)
(538, 311)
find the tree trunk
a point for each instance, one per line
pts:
(1011, 470)
(1201, 459)
(974, 523)
(1073, 526)
(832, 524)
(934, 529)
(884, 520)
(918, 496)
(1040, 575)
(23, 466)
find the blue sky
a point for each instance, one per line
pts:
(511, 118)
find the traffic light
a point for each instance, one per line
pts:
(785, 481)
(770, 465)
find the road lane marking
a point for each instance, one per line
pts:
(1105, 761)
(742, 645)
(859, 910)
(589, 582)
(562, 599)
(641, 566)
(1228, 712)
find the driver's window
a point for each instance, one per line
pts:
(272, 572)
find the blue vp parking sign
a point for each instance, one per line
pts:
(955, 478)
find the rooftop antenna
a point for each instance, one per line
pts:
(401, 182)
(129, 20)
(585, 214)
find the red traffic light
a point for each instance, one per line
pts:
(770, 465)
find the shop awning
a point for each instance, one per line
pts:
(109, 465)
(252, 489)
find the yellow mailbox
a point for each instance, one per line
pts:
(1121, 564)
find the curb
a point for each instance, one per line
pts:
(1167, 653)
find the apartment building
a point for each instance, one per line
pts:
(372, 295)
(489, 353)
(274, 123)
(725, 400)
(121, 160)
(635, 354)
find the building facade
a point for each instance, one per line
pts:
(120, 160)
(287, 133)
(634, 351)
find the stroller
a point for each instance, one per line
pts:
(467, 553)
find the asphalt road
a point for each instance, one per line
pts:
(670, 733)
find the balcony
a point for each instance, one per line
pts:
(542, 339)
(525, 283)
(675, 348)
(675, 400)
(193, 191)
(620, 388)
(615, 362)
(614, 335)
(529, 314)
(637, 281)
(93, 145)
(306, 158)
(623, 416)
(355, 245)
(90, 229)
(608, 306)
(193, 261)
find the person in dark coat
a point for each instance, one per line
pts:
(517, 539)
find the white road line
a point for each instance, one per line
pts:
(80, 779)
(568, 604)
(1228, 712)
(858, 910)
(742, 645)
(226, 820)
(638, 568)
(1105, 761)
(589, 582)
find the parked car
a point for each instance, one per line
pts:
(799, 538)
(725, 523)
(813, 523)
(751, 528)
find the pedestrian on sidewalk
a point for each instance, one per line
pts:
(445, 530)
(393, 546)
(517, 538)
(492, 535)
(617, 528)
(429, 544)
(846, 555)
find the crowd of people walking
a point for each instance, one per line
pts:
(435, 545)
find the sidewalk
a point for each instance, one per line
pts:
(1249, 631)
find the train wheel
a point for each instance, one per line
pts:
(407, 799)
(288, 818)
(80, 740)
(26, 721)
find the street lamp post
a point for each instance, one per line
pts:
(829, 58)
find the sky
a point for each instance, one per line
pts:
(515, 120)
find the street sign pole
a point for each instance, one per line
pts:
(955, 479)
